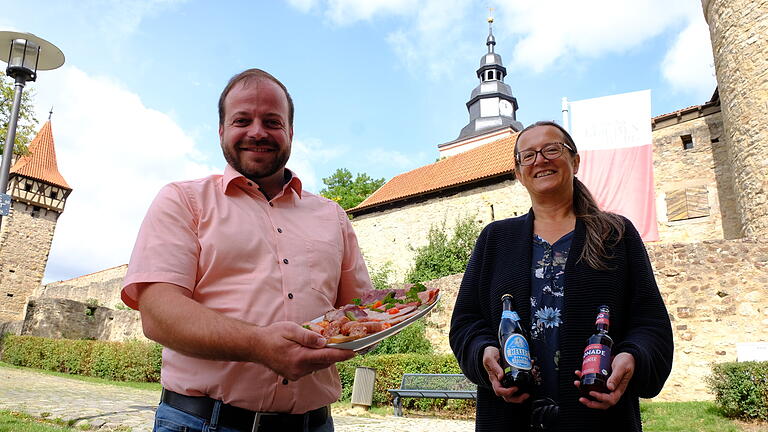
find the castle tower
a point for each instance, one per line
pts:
(492, 107)
(38, 193)
(738, 30)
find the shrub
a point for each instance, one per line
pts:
(119, 361)
(741, 389)
(389, 373)
(409, 340)
(444, 256)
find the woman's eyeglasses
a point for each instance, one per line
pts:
(548, 152)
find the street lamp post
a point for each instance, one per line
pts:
(26, 54)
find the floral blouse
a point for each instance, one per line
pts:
(547, 300)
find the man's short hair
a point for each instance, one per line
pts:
(246, 76)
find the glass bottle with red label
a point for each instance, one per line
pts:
(596, 366)
(515, 354)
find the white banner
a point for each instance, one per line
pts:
(612, 122)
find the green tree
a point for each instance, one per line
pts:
(349, 192)
(445, 255)
(26, 127)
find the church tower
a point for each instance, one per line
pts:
(38, 194)
(492, 108)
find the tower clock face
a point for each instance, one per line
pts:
(505, 108)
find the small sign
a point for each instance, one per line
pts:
(752, 351)
(5, 204)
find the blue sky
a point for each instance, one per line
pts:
(378, 84)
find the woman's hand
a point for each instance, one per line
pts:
(623, 367)
(496, 373)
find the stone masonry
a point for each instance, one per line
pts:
(715, 292)
(704, 165)
(25, 241)
(101, 288)
(392, 235)
(715, 295)
(740, 49)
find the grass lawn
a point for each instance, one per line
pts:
(684, 416)
(17, 422)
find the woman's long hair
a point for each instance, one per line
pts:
(603, 228)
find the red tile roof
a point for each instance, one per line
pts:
(488, 160)
(40, 164)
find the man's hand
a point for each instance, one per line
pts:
(496, 373)
(293, 351)
(623, 366)
(285, 347)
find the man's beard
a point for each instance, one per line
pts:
(262, 170)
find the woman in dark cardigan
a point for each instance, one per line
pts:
(561, 261)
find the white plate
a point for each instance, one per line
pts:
(365, 342)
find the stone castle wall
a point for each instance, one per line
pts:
(102, 288)
(740, 50)
(25, 241)
(714, 293)
(704, 165)
(392, 235)
(59, 318)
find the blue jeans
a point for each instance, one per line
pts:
(170, 419)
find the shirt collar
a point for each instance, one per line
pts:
(233, 176)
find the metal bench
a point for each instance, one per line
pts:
(437, 386)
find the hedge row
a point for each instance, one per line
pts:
(389, 373)
(117, 361)
(741, 389)
(141, 361)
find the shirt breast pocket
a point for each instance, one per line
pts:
(325, 256)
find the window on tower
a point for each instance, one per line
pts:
(54, 194)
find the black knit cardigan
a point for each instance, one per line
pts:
(640, 325)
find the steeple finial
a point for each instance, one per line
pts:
(491, 40)
(50, 113)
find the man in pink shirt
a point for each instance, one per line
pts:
(225, 267)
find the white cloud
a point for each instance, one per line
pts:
(397, 159)
(567, 29)
(436, 38)
(306, 154)
(433, 35)
(688, 66)
(349, 11)
(303, 5)
(116, 154)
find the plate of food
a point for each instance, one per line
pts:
(375, 316)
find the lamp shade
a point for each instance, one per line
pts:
(50, 56)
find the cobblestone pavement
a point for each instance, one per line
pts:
(110, 407)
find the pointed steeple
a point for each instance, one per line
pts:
(41, 164)
(491, 105)
(35, 179)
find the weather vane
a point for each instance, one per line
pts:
(490, 16)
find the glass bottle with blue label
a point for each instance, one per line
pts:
(515, 354)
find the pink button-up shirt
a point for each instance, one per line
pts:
(289, 259)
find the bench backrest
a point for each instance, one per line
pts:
(437, 382)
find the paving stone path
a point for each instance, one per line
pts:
(112, 407)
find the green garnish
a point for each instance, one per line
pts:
(306, 326)
(357, 301)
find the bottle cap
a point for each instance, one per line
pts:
(507, 295)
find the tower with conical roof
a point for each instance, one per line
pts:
(492, 107)
(38, 194)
